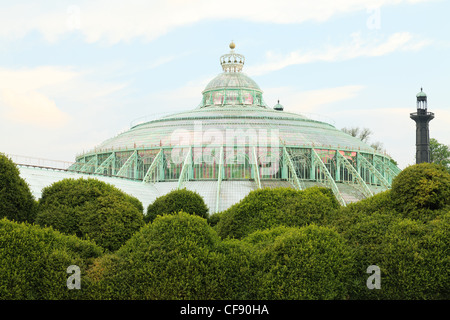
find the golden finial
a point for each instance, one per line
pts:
(232, 45)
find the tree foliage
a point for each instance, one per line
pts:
(16, 201)
(440, 153)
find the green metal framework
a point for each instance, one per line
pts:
(149, 175)
(219, 179)
(361, 184)
(375, 172)
(324, 177)
(291, 172)
(186, 171)
(298, 165)
(129, 167)
(256, 169)
(105, 165)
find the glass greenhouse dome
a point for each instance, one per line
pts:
(233, 143)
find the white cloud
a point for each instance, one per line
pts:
(183, 98)
(358, 47)
(53, 105)
(22, 98)
(117, 20)
(310, 102)
(31, 107)
(47, 96)
(35, 78)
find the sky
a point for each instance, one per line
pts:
(75, 73)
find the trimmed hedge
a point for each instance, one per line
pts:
(16, 201)
(287, 244)
(175, 201)
(310, 262)
(421, 189)
(411, 254)
(34, 262)
(365, 233)
(91, 209)
(177, 256)
(266, 208)
(415, 261)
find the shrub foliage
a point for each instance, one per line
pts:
(16, 201)
(266, 208)
(178, 256)
(90, 208)
(421, 189)
(34, 262)
(310, 262)
(274, 244)
(175, 201)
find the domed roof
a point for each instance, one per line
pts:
(235, 80)
(232, 102)
(291, 128)
(421, 94)
(278, 106)
(232, 87)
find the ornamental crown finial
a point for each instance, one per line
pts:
(232, 62)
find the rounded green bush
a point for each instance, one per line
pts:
(411, 254)
(89, 208)
(415, 260)
(265, 208)
(177, 200)
(177, 256)
(16, 201)
(421, 189)
(365, 233)
(34, 262)
(310, 262)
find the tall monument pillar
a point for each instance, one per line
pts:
(422, 117)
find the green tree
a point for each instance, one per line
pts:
(16, 201)
(440, 153)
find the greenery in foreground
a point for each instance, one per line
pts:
(274, 244)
